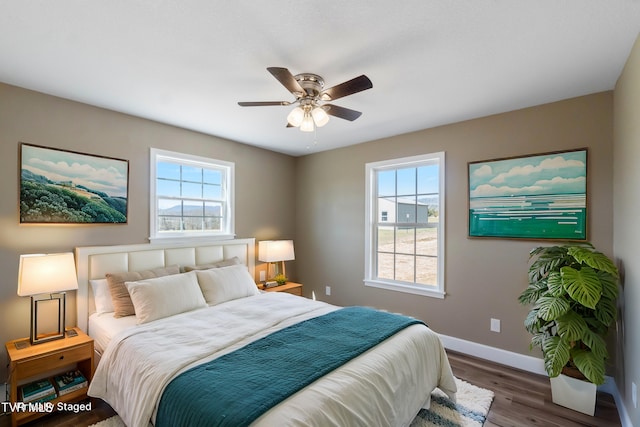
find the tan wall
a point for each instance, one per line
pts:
(626, 233)
(35, 118)
(483, 277)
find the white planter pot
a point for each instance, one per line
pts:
(574, 394)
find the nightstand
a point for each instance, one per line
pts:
(29, 362)
(289, 287)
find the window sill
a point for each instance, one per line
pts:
(190, 238)
(405, 288)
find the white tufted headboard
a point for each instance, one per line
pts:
(93, 262)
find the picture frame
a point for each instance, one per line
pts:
(67, 187)
(536, 197)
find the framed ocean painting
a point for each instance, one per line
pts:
(66, 187)
(542, 196)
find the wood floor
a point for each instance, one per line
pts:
(524, 399)
(521, 400)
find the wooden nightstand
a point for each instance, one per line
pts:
(32, 362)
(289, 287)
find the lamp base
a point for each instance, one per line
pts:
(39, 338)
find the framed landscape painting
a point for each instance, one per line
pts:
(541, 196)
(66, 187)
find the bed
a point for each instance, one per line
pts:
(176, 337)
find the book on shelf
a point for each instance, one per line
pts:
(69, 382)
(37, 390)
(46, 398)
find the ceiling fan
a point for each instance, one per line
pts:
(312, 110)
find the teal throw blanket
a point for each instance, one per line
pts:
(237, 388)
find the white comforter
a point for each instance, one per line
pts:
(385, 386)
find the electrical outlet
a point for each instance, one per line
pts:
(634, 394)
(263, 276)
(327, 290)
(495, 325)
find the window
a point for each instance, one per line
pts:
(191, 196)
(404, 239)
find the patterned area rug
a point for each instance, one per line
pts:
(470, 410)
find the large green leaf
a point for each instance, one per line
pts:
(596, 343)
(554, 283)
(582, 285)
(594, 259)
(590, 365)
(556, 355)
(571, 326)
(609, 284)
(532, 321)
(532, 293)
(606, 311)
(550, 308)
(548, 258)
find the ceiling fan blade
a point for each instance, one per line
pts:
(286, 78)
(263, 103)
(350, 87)
(341, 112)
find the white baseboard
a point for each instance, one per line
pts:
(504, 357)
(529, 364)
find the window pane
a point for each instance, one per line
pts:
(387, 183)
(385, 239)
(212, 209)
(386, 209)
(407, 209)
(405, 268)
(427, 270)
(168, 170)
(428, 177)
(406, 181)
(212, 176)
(212, 224)
(166, 223)
(168, 188)
(385, 266)
(169, 207)
(192, 223)
(192, 208)
(191, 190)
(212, 191)
(405, 240)
(427, 241)
(191, 173)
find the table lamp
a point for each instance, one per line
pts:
(276, 251)
(46, 277)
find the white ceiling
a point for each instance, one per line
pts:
(187, 63)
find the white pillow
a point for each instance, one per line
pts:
(101, 296)
(226, 283)
(165, 296)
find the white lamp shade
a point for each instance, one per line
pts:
(46, 273)
(295, 117)
(307, 124)
(276, 250)
(320, 116)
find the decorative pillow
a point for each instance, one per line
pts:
(122, 305)
(226, 283)
(225, 263)
(101, 296)
(165, 296)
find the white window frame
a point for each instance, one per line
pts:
(228, 184)
(371, 245)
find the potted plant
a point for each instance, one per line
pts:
(573, 289)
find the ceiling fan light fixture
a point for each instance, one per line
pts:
(307, 124)
(320, 117)
(296, 117)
